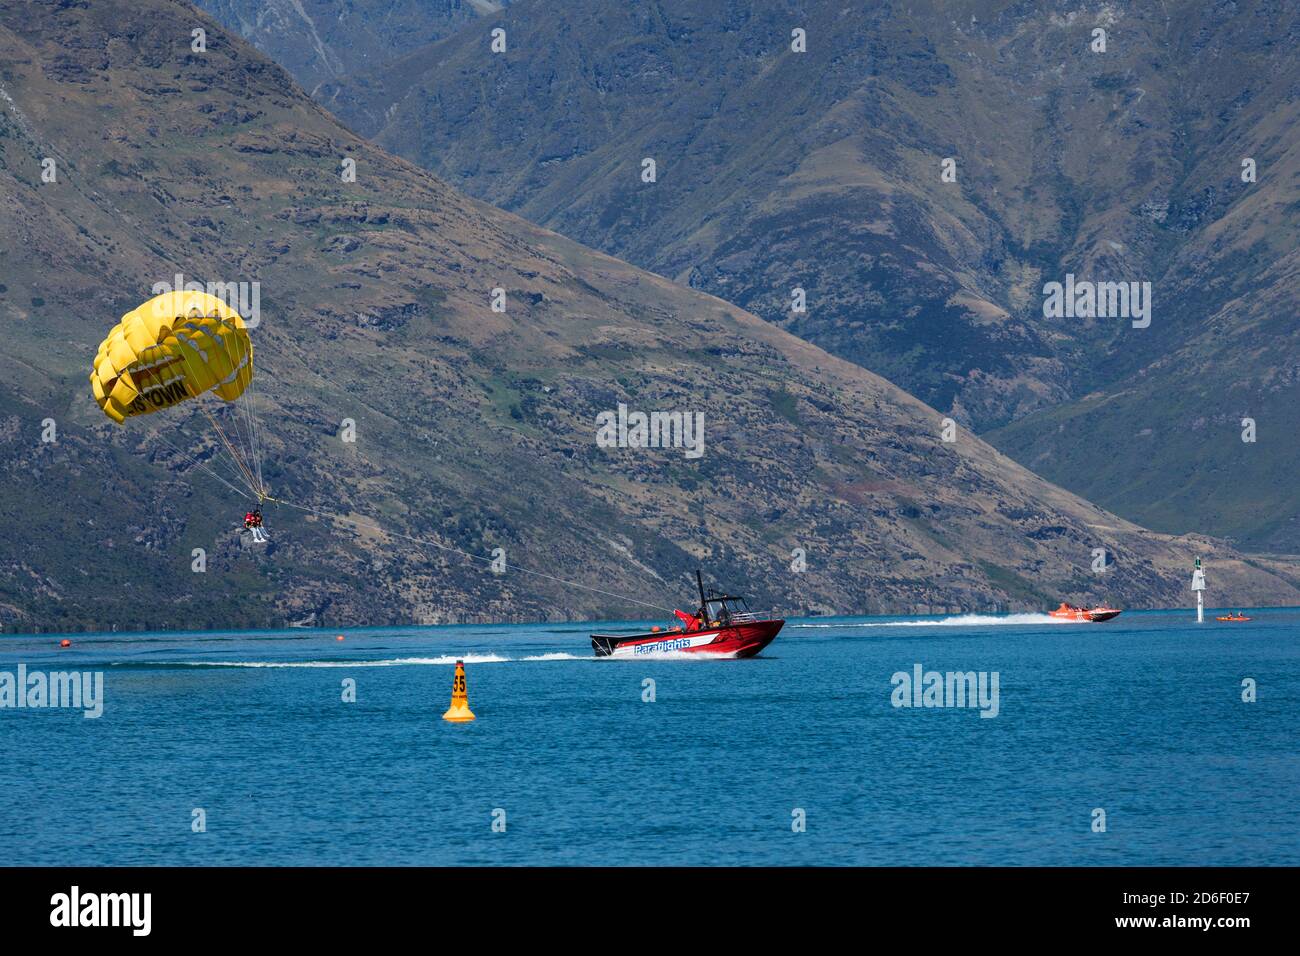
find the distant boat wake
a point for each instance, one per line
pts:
(448, 659)
(961, 620)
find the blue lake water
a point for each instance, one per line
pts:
(1142, 717)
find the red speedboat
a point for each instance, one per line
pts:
(1069, 612)
(722, 626)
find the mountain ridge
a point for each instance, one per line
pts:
(821, 170)
(475, 429)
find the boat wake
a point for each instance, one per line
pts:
(961, 620)
(446, 660)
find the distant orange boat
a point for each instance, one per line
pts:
(1069, 612)
(1232, 617)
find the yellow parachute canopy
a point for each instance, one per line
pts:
(172, 348)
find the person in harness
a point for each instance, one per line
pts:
(253, 523)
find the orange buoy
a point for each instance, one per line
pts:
(65, 643)
(459, 712)
(655, 629)
(339, 638)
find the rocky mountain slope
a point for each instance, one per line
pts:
(475, 429)
(822, 170)
(323, 40)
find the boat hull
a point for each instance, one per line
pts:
(1102, 615)
(1090, 615)
(739, 640)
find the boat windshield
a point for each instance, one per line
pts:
(728, 609)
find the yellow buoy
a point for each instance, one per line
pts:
(459, 712)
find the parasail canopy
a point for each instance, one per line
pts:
(178, 348)
(174, 347)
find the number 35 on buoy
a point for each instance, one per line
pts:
(459, 713)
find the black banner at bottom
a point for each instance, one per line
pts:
(336, 905)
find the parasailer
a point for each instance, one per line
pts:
(178, 348)
(253, 523)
